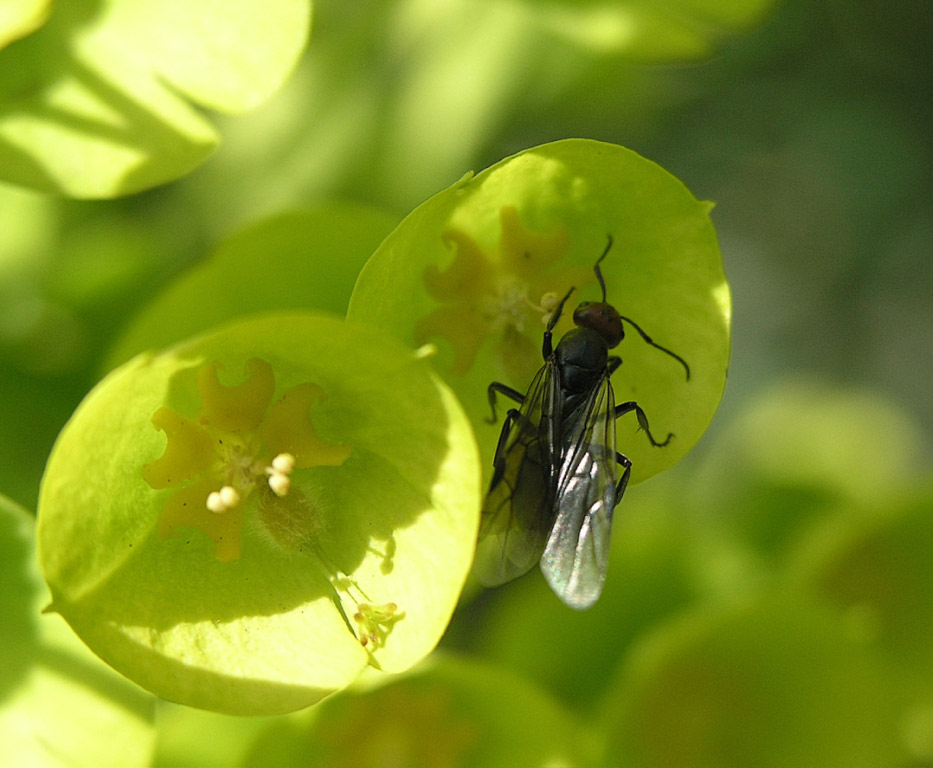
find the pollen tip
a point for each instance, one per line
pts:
(280, 483)
(283, 463)
(223, 500)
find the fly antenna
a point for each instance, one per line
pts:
(599, 274)
(650, 342)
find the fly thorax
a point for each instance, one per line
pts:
(582, 357)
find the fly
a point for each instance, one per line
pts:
(556, 478)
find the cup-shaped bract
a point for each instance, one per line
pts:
(243, 522)
(479, 267)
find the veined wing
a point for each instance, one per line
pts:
(519, 509)
(577, 551)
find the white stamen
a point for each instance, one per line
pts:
(284, 463)
(280, 483)
(230, 496)
(225, 499)
(279, 471)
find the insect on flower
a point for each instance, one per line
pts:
(556, 476)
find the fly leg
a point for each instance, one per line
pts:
(626, 462)
(547, 344)
(630, 406)
(502, 389)
(498, 461)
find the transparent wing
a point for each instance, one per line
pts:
(577, 550)
(519, 509)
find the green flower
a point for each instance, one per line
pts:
(241, 556)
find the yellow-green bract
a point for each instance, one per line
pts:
(358, 558)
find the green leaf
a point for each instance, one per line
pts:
(449, 711)
(776, 683)
(301, 259)
(56, 698)
(446, 274)
(265, 608)
(96, 103)
(19, 18)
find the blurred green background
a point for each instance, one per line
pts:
(769, 599)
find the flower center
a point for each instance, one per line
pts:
(241, 470)
(508, 306)
(237, 463)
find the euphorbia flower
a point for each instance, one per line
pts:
(238, 445)
(294, 561)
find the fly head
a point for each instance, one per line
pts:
(602, 318)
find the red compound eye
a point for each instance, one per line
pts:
(602, 318)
